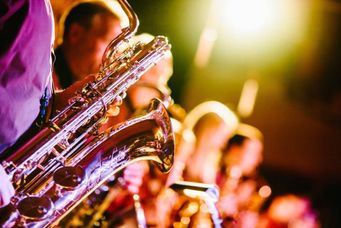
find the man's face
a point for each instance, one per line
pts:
(93, 42)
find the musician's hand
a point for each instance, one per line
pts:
(6, 188)
(62, 97)
(133, 175)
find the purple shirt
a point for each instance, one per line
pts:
(26, 38)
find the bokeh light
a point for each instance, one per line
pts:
(249, 17)
(261, 30)
(255, 30)
(257, 19)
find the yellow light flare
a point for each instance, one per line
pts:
(262, 22)
(252, 30)
(249, 17)
(206, 42)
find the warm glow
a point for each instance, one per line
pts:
(260, 29)
(261, 23)
(249, 17)
(206, 42)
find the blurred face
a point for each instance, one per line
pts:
(156, 77)
(211, 134)
(160, 73)
(92, 43)
(287, 208)
(215, 137)
(248, 156)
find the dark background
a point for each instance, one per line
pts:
(298, 107)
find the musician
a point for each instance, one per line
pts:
(244, 151)
(27, 37)
(207, 128)
(238, 177)
(152, 84)
(88, 27)
(26, 34)
(290, 210)
(212, 132)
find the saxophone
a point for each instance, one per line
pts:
(92, 212)
(67, 160)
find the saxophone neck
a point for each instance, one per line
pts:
(132, 17)
(123, 36)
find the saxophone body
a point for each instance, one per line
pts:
(68, 159)
(147, 137)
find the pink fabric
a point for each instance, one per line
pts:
(26, 38)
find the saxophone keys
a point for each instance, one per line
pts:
(113, 111)
(35, 207)
(69, 177)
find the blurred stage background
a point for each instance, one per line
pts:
(288, 52)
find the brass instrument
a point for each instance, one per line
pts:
(67, 160)
(96, 208)
(147, 137)
(90, 103)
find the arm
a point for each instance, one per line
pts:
(26, 34)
